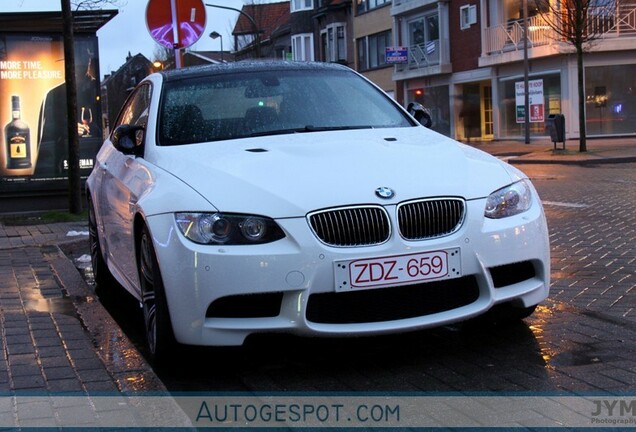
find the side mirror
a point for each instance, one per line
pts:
(128, 139)
(420, 114)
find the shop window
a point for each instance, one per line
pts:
(512, 124)
(610, 100)
(437, 101)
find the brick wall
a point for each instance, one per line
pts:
(465, 44)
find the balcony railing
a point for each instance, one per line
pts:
(601, 22)
(422, 55)
(509, 36)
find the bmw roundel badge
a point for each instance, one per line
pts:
(385, 192)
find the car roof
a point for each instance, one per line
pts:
(248, 66)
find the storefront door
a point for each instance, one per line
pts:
(487, 125)
(470, 112)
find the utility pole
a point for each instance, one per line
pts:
(74, 179)
(526, 96)
(251, 20)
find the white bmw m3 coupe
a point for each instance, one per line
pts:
(298, 197)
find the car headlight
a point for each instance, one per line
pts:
(228, 229)
(509, 201)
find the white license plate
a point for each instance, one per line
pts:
(397, 269)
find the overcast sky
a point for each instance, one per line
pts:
(127, 32)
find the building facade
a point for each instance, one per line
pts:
(466, 63)
(423, 27)
(262, 31)
(116, 86)
(321, 30)
(372, 33)
(609, 66)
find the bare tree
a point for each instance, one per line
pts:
(164, 55)
(74, 179)
(96, 4)
(578, 22)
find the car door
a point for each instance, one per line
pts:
(124, 179)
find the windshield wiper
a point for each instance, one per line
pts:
(308, 128)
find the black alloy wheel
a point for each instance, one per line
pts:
(102, 275)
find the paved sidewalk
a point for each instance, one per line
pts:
(64, 360)
(542, 151)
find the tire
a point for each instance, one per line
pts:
(103, 278)
(158, 327)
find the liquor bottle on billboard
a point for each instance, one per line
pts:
(18, 140)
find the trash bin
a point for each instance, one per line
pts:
(555, 125)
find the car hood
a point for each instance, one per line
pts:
(291, 175)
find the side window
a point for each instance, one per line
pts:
(135, 110)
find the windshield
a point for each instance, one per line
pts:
(230, 106)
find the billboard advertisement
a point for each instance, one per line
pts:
(34, 150)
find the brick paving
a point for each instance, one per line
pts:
(47, 351)
(593, 241)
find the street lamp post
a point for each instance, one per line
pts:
(215, 35)
(526, 97)
(251, 20)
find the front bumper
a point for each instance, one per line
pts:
(297, 275)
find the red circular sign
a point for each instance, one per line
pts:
(175, 23)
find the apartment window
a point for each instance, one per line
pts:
(243, 41)
(513, 9)
(424, 30)
(372, 50)
(367, 5)
(333, 43)
(303, 47)
(467, 16)
(301, 5)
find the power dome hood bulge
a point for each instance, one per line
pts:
(293, 174)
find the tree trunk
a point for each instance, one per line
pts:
(581, 89)
(74, 181)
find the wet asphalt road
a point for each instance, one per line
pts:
(582, 339)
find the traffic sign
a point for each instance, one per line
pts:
(175, 23)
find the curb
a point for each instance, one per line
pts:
(584, 162)
(134, 376)
(102, 328)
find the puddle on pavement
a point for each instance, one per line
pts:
(84, 266)
(62, 305)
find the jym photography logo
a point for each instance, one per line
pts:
(614, 411)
